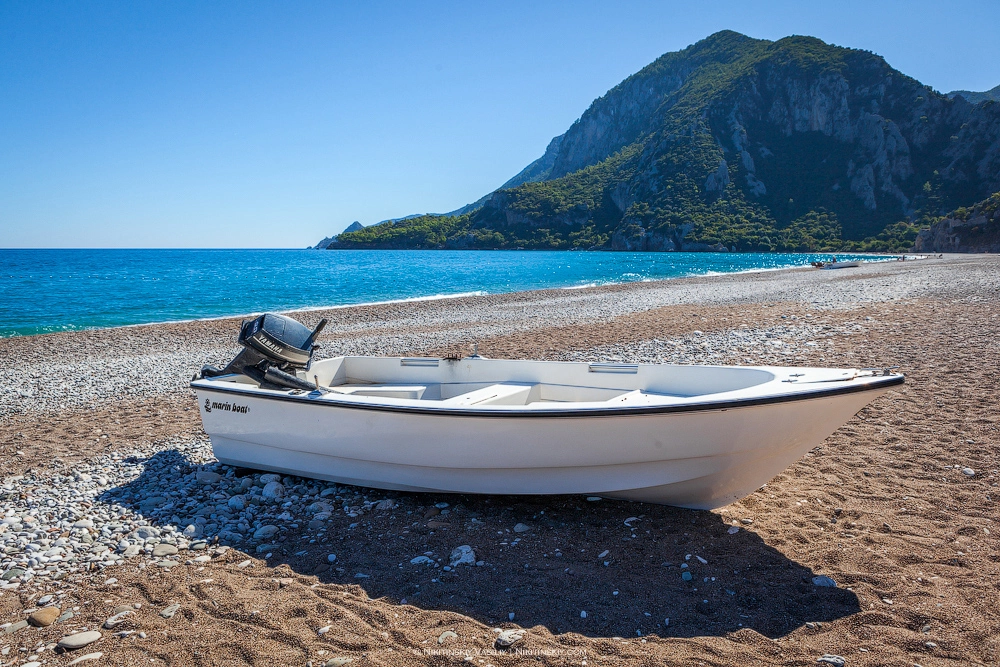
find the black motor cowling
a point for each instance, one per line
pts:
(274, 347)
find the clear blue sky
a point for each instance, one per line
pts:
(215, 124)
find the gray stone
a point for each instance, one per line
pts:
(508, 638)
(14, 627)
(830, 659)
(521, 528)
(265, 532)
(463, 555)
(116, 620)
(79, 640)
(168, 612)
(146, 532)
(12, 573)
(208, 477)
(161, 550)
(824, 581)
(273, 490)
(86, 658)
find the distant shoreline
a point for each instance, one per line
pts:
(571, 283)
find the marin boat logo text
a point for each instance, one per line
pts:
(227, 407)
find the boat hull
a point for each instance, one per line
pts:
(701, 459)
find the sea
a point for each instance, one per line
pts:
(49, 290)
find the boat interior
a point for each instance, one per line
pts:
(480, 382)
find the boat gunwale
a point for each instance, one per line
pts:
(875, 383)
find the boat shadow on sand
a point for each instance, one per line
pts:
(600, 568)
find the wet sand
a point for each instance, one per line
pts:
(884, 507)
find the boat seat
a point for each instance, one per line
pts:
(381, 390)
(495, 394)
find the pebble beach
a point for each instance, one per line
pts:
(124, 542)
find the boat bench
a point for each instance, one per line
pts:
(381, 391)
(495, 394)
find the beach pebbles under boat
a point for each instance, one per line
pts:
(692, 436)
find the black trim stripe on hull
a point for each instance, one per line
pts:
(878, 384)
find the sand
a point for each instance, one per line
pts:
(882, 507)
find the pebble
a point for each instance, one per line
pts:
(265, 532)
(273, 490)
(116, 620)
(14, 627)
(463, 555)
(79, 640)
(447, 634)
(44, 617)
(508, 638)
(968, 471)
(687, 576)
(169, 612)
(521, 528)
(824, 581)
(339, 661)
(85, 658)
(831, 659)
(161, 550)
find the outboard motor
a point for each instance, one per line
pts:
(274, 347)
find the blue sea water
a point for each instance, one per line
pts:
(43, 291)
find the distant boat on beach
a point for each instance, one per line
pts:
(691, 436)
(836, 265)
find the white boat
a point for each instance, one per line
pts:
(691, 436)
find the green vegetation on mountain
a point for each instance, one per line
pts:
(973, 228)
(737, 144)
(977, 97)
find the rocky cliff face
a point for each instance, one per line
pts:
(965, 230)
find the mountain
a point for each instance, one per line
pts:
(973, 229)
(742, 144)
(975, 98)
(325, 243)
